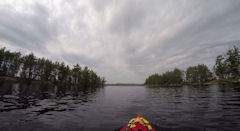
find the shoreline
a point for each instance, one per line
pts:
(29, 81)
(22, 80)
(221, 82)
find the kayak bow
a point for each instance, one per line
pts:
(138, 124)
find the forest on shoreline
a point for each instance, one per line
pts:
(226, 69)
(17, 67)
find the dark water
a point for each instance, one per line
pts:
(32, 107)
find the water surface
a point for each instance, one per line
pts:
(27, 107)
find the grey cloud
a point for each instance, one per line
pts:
(193, 44)
(100, 5)
(127, 40)
(27, 30)
(81, 59)
(130, 15)
(214, 22)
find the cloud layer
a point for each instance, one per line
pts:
(123, 40)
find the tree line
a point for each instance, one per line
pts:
(174, 77)
(226, 68)
(228, 65)
(29, 67)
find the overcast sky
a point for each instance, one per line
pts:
(122, 40)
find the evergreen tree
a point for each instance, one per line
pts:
(29, 62)
(32, 68)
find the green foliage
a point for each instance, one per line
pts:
(220, 67)
(9, 62)
(228, 67)
(168, 78)
(30, 67)
(29, 63)
(77, 74)
(198, 74)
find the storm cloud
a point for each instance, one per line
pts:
(122, 40)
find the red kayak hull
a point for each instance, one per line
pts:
(138, 126)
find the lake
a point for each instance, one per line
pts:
(27, 107)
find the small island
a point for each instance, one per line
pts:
(225, 70)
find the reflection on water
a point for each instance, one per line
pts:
(42, 98)
(43, 107)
